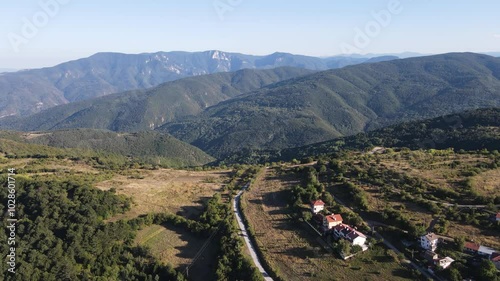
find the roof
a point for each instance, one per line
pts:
(318, 203)
(471, 246)
(348, 232)
(431, 236)
(354, 234)
(486, 250)
(447, 260)
(334, 218)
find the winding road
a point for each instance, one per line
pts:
(248, 242)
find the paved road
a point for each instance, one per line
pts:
(248, 242)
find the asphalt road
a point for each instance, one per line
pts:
(243, 230)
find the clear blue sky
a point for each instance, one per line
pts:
(83, 27)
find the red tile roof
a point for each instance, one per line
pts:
(348, 232)
(472, 246)
(334, 218)
(355, 234)
(318, 203)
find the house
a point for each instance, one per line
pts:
(495, 258)
(430, 256)
(317, 206)
(485, 251)
(471, 248)
(429, 241)
(444, 262)
(350, 234)
(332, 220)
(476, 249)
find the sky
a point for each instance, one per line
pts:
(44, 33)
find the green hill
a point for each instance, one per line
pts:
(149, 147)
(343, 102)
(471, 130)
(148, 109)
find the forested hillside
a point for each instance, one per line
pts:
(343, 102)
(147, 147)
(472, 130)
(148, 109)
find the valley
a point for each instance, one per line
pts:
(232, 140)
(140, 185)
(295, 251)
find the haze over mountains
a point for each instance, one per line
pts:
(30, 91)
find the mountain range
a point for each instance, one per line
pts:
(286, 107)
(26, 92)
(342, 102)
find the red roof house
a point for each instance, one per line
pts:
(332, 220)
(350, 234)
(471, 247)
(317, 206)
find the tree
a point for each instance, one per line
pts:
(307, 216)
(460, 243)
(356, 249)
(328, 199)
(487, 271)
(453, 274)
(344, 247)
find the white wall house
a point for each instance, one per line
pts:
(429, 241)
(350, 234)
(332, 220)
(445, 262)
(317, 206)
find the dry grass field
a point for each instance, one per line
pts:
(176, 191)
(447, 171)
(439, 172)
(295, 251)
(487, 183)
(174, 246)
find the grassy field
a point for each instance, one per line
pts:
(487, 183)
(440, 171)
(295, 251)
(447, 171)
(175, 246)
(176, 191)
(172, 245)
